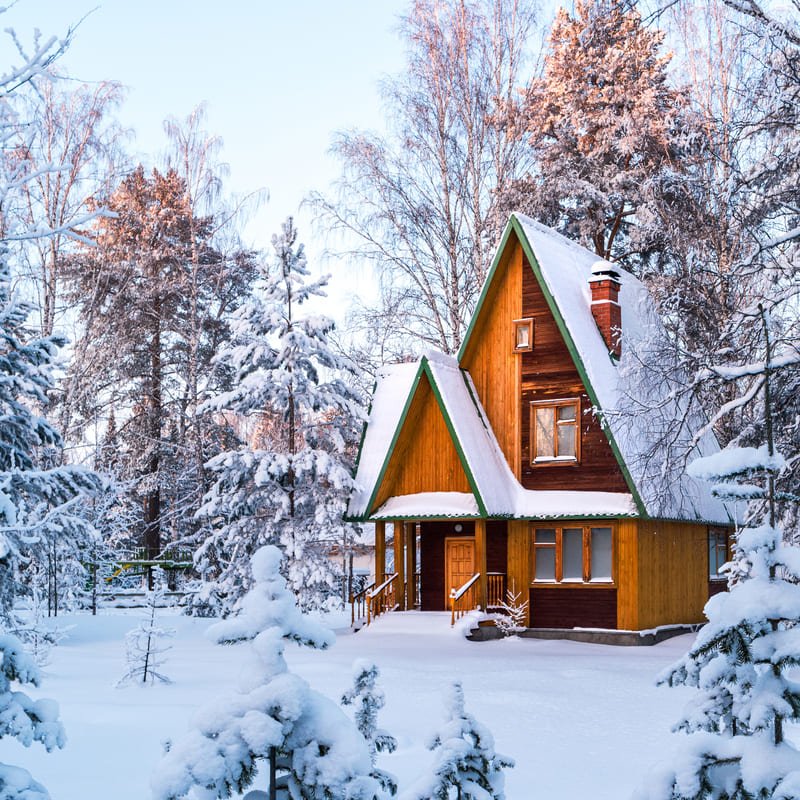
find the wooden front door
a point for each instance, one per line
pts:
(459, 564)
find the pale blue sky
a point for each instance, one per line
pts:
(278, 78)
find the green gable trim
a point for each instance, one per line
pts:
(515, 227)
(424, 369)
(354, 470)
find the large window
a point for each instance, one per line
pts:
(572, 554)
(717, 552)
(555, 432)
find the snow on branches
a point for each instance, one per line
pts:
(25, 719)
(465, 759)
(312, 750)
(288, 484)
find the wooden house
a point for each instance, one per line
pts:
(524, 463)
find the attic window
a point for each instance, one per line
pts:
(523, 335)
(555, 432)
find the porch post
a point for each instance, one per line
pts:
(399, 562)
(380, 552)
(480, 561)
(411, 563)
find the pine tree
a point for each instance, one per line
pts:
(290, 491)
(368, 699)
(466, 765)
(742, 661)
(275, 717)
(25, 719)
(145, 646)
(37, 502)
(604, 126)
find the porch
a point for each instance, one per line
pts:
(450, 565)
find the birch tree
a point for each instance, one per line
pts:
(418, 203)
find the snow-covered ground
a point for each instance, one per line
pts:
(580, 720)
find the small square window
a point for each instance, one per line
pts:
(523, 335)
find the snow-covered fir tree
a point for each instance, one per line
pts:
(145, 645)
(23, 718)
(466, 766)
(312, 751)
(289, 487)
(368, 698)
(743, 661)
(37, 503)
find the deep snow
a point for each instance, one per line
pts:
(578, 719)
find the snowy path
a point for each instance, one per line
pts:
(580, 720)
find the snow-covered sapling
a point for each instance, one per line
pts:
(466, 766)
(368, 698)
(25, 719)
(145, 646)
(515, 611)
(275, 716)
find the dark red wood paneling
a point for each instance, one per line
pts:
(431, 568)
(715, 587)
(549, 373)
(552, 607)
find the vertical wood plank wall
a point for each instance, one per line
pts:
(489, 358)
(626, 573)
(672, 572)
(424, 458)
(548, 372)
(519, 559)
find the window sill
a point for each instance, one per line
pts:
(558, 461)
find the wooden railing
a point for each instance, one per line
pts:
(495, 589)
(358, 604)
(382, 598)
(463, 599)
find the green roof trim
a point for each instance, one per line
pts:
(515, 226)
(424, 369)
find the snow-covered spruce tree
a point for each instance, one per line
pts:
(275, 717)
(289, 487)
(466, 765)
(604, 126)
(36, 503)
(742, 661)
(368, 698)
(145, 646)
(25, 719)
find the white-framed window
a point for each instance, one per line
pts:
(555, 432)
(572, 553)
(717, 552)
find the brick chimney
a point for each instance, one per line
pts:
(605, 286)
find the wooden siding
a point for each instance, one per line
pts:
(490, 357)
(519, 559)
(432, 568)
(672, 573)
(424, 458)
(573, 607)
(626, 573)
(548, 373)
(715, 587)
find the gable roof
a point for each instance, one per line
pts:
(563, 270)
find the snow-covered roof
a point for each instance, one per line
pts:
(393, 392)
(565, 270)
